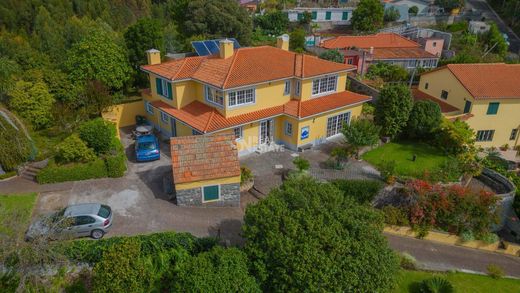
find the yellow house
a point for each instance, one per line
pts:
(265, 95)
(486, 96)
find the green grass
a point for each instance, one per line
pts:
(429, 158)
(408, 281)
(15, 213)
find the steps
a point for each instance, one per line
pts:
(30, 172)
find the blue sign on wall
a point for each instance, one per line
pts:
(305, 132)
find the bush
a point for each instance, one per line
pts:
(495, 271)
(424, 120)
(413, 10)
(363, 191)
(218, 270)
(387, 170)
(387, 72)
(467, 236)
(7, 175)
(116, 165)
(98, 134)
(395, 216)
(437, 285)
(15, 147)
(333, 55)
(73, 172)
(407, 261)
(301, 164)
(391, 14)
(245, 175)
(121, 269)
(73, 149)
(489, 238)
(33, 102)
(360, 133)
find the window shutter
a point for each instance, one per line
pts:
(170, 93)
(158, 86)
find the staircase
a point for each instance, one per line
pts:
(32, 169)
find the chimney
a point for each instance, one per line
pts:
(153, 56)
(226, 48)
(282, 42)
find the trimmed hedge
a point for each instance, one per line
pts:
(116, 165)
(363, 191)
(80, 171)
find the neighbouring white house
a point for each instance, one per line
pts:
(341, 15)
(478, 27)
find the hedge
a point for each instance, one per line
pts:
(116, 165)
(362, 191)
(73, 172)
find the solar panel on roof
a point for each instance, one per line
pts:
(212, 46)
(200, 48)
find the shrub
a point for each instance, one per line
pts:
(33, 102)
(387, 72)
(301, 164)
(116, 165)
(407, 261)
(387, 170)
(360, 133)
(73, 149)
(489, 237)
(333, 55)
(98, 135)
(121, 269)
(15, 147)
(73, 172)
(368, 109)
(7, 175)
(245, 175)
(467, 236)
(437, 285)
(363, 191)
(495, 271)
(218, 270)
(455, 137)
(391, 14)
(424, 120)
(413, 10)
(395, 216)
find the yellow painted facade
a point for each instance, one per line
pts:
(267, 94)
(195, 184)
(124, 114)
(503, 122)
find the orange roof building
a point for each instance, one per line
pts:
(486, 96)
(264, 95)
(363, 51)
(206, 169)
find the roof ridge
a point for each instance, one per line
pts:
(209, 120)
(230, 69)
(303, 63)
(180, 69)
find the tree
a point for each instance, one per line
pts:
(218, 270)
(145, 34)
(368, 16)
(360, 133)
(494, 41)
(413, 10)
(272, 23)
(455, 137)
(387, 72)
(213, 19)
(308, 236)
(33, 102)
(393, 109)
(391, 14)
(98, 57)
(8, 70)
(306, 18)
(97, 134)
(15, 147)
(297, 40)
(424, 120)
(48, 35)
(333, 55)
(449, 5)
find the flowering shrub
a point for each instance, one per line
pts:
(451, 208)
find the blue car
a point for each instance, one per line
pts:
(147, 148)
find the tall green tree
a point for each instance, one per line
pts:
(98, 57)
(32, 101)
(494, 41)
(274, 23)
(333, 55)
(368, 16)
(360, 133)
(213, 19)
(425, 119)
(308, 236)
(297, 40)
(393, 109)
(48, 35)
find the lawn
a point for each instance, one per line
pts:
(408, 281)
(15, 213)
(428, 158)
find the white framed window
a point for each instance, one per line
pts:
(148, 107)
(214, 96)
(164, 117)
(324, 85)
(485, 135)
(288, 128)
(241, 97)
(297, 88)
(287, 88)
(239, 132)
(335, 123)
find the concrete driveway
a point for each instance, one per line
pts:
(141, 206)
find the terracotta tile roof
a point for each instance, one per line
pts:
(381, 40)
(206, 119)
(204, 157)
(246, 66)
(488, 81)
(402, 53)
(421, 96)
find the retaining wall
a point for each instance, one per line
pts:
(361, 88)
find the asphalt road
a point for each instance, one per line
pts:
(490, 14)
(436, 256)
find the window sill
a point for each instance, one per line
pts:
(241, 105)
(215, 104)
(323, 94)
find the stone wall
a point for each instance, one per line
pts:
(229, 196)
(361, 88)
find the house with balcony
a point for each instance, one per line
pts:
(265, 95)
(362, 51)
(486, 96)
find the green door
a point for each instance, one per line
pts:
(328, 15)
(344, 16)
(314, 15)
(211, 193)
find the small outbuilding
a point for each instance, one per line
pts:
(206, 170)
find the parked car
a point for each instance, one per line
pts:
(78, 220)
(147, 148)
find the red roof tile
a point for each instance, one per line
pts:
(445, 107)
(204, 157)
(381, 40)
(207, 119)
(247, 66)
(401, 53)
